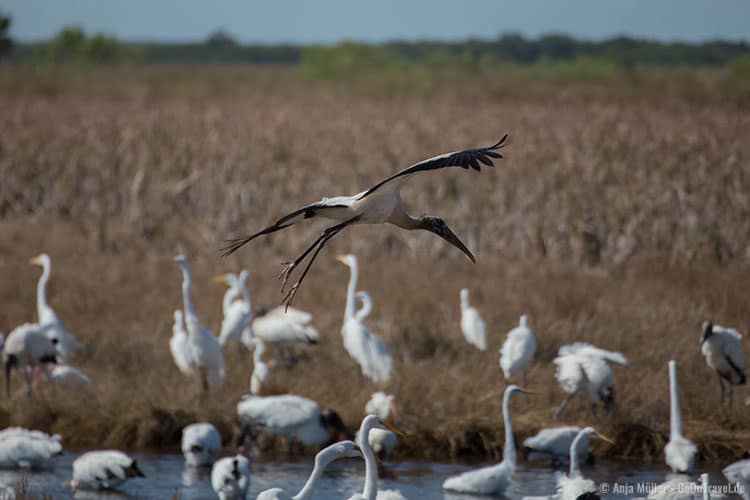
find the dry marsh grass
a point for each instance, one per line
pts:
(619, 218)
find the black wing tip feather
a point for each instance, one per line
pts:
(500, 144)
(233, 244)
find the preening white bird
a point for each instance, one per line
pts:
(383, 441)
(722, 348)
(235, 305)
(67, 343)
(294, 417)
(205, 350)
(472, 324)
(739, 473)
(280, 325)
(379, 204)
(66, 376)
(201, 444)
(180, 346)
(27, 346)
(362, 345)
(492, 480)
(556, 441)
(679, 451)
(574, 485)
(230, 478)
(103, 470)
(370, 491)
(583, 367)
(22, 448)
(518, 350)
(260, 369)
(342, 449)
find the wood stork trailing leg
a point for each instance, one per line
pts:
(379, 204)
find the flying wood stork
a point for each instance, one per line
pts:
(378, 204)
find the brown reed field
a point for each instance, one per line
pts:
(620, 216)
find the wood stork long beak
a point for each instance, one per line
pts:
(439, 227)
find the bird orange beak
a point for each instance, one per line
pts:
(393, 429)
(220, 278)
(35, 261)
(604, 438)
(533, 393)
(341, 258)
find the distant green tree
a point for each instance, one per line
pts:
(5, 42)
(101, 48)
(221, 39)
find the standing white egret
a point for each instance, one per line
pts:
(370, 491)
(260, 369)
(205, 350)
(230, 478)
(583, 367)
(179, 345)
(679, 451)
(379, 204)
(66, 376)
(383, 441)
(47, 316)
(291, 416)
(722, 348)
(739, 474)
(22, 448)
(342, 449)
(574, 485)
(103, 470)
(556, 441)
(494, 479)
(27, 346)
(472, 324)
(518, 350)
(236, 306)
(362, 345)
(201, 444)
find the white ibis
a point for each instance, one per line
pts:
(379, 204)
(722, 348)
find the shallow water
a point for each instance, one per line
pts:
(166, 474)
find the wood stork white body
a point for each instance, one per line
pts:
(294, 417)
(492, 480)
(472, 324)
(66, 377)
(722, 348)
(342, 449)
(179, 345)
(518, 350)
(383, 441)
(583, 367)
(679, 452)
(230, 477)
(573, 485)
(739, 473)
(260, 369)
(22, 448)
(201, 444)
(379, 204)
(205, 350)
(103, 470)
(27, 346)
(362, 345)
(556, 441)
(67, 343)
(370, 491)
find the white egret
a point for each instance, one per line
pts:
(472, 324)
(680, 487)
(722, 348)
(179, 345)
(556, 441)
(22, 448)
(342, 449)
(362, 345)
(230, 477)
(739, 474)
(66, 376)
(583, 367)
(294, 417)
(378, 204)
(260, 369)
(235, 306)
(205, 350)
(679, 451)
(383, 441)
(370, 491)
(382, 405)
(103, 470)
(201, 444)
(518, 350)
(491, 480)
(574, 485)
(47, 316)
(27, 346)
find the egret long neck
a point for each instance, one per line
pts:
(229, 296)
(322, 460)
(371, 466)
(351, 291)
(41, 287)
(186, 281)
(675, 419)
(509, 451)
(366, 308)
(575, 469)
